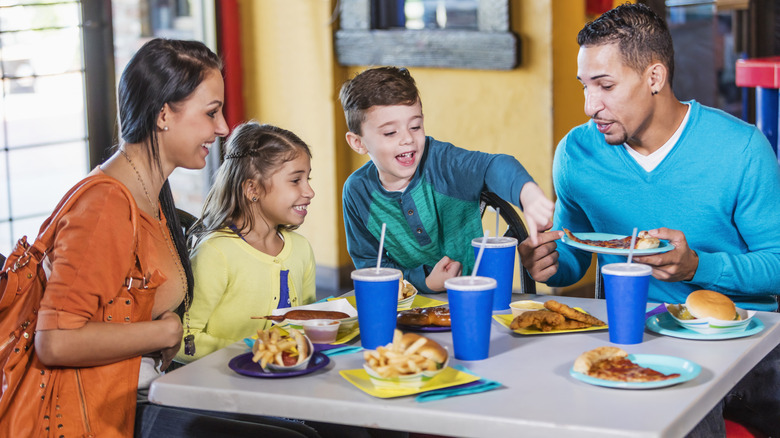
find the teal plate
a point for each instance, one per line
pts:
(664, 246)
(664, 324)
(664, 364)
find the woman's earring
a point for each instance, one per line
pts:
(654, 92)
(254, 198)
(165, 128)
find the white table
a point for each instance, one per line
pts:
(539, 397)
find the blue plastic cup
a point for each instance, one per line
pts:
(625, 287)
(498, 262)
(471, 311)
(376, 294)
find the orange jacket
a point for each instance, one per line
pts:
(92, 256)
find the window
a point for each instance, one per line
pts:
(43, 118)
(415, 33)
(58, 102)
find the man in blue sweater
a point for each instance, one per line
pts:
(426, 191)
(706, 181)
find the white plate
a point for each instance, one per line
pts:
(664, 324)
(711, 326)
(347, 324)
(664, 246)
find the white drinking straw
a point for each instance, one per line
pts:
(631, 248)
(479, 254)
(498, 215)
(381, 244)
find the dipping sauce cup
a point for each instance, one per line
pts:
(376, 295)
(471, 312)
(625, 287)
(321, 331)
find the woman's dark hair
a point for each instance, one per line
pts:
(641, 35)
(252, 152)
(162, 72)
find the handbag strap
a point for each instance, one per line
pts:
(45, 240)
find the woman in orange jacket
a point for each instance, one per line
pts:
(109, 302)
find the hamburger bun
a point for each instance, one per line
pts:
(430, 349)
(710, 304)
(302, 344)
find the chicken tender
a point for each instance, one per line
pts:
(571, 313)
(539, 319)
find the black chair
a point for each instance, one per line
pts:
(599, 293)
(516, 229)
(186, 219)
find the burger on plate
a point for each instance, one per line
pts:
(711, 313)
(708, 304)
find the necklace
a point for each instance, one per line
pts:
(155, 206)
(189, 339)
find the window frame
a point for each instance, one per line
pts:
(492, 47)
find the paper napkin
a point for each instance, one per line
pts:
(480, 385)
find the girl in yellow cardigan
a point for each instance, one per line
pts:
(246, 259)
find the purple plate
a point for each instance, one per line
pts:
(423, 328)
(242, 364)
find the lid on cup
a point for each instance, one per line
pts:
(627, 269)
(494, 242)
(374, 274)
(470, 283)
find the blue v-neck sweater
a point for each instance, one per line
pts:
(719, 185)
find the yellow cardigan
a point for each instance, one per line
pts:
(234, 281)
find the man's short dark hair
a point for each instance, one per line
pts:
(641, 35)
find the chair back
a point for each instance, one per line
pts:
(186, 220)
(516, 229)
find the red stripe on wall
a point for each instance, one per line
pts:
(229, 47)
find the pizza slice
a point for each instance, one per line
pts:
(643, 241)
(612, 363)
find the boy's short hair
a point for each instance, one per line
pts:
(641, 35)
(376, 86)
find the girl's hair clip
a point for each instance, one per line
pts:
(237, 155)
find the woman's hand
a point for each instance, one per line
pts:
(173, 332)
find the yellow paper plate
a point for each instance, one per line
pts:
(506, 320)
(446, 378)
(419, 301)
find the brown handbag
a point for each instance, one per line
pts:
(22, 283)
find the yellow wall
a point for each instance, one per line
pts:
(292, 80)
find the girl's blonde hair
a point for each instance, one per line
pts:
(253, 152)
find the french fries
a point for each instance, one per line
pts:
(406, 290)
(396, 360)
(271, 344)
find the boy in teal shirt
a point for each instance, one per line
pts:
(426, 191)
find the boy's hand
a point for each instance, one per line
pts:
(445, 269)
(537, 210)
